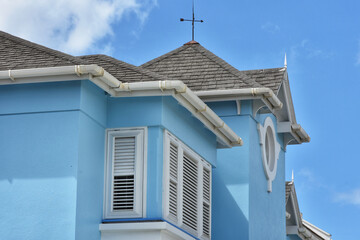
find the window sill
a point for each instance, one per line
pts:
(142, 230)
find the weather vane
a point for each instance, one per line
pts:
(193, 20)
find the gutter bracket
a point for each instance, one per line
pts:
(11, 77)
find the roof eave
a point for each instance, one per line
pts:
(226, 137)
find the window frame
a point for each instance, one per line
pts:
(201, 164)
(140, 174)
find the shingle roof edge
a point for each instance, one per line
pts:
(39, 47)
(115, 61)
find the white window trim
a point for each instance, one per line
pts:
(169, 138)
(140, 134)
(270, 172)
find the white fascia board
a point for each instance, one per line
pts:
(225, 135)
(269, 99)
(316, 230)
(190, 101)
(246, 93)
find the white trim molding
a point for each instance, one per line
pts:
(142, 230)
(270, 149)
(125, 168)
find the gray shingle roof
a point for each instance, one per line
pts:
(123, 71)
(270, 78)
(17, 53)
(202, 70)
(193, 64)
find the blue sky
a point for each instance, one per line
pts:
(322, 42)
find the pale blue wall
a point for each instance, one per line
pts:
(266, 209)
(90, 172)
(293, 237)
(38, 160)
(52, 154)
(159, 113)
(242, 207)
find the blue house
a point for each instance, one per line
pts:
(184, 146)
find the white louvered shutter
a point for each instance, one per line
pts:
(124, 192)
(173, 181)
(206, 203)
(123, 173)
(190, 193)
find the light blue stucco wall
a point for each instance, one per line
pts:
(293, 237)
(38, 160)
(90, 171)
(242, 207)
(266, 209)
(158, 114)
(52, 139)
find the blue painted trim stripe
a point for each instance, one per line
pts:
(145, 220)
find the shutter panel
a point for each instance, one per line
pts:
(206, 203)
(190, 193)
(173, 181)
(123, 173)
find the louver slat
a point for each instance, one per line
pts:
(190, 210)
(124, 170)
(206, 219)
(206, 186)
(173, 180)
(206, 202)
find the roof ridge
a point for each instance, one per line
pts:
(205, 52)
(127, 65)
(166, 55)
(42, 48)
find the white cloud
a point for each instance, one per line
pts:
(352, 197)
(270, 27)
(307, 49)
(358, 56)
(73, 26)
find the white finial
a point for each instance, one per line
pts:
(292, 173)
(285, 62)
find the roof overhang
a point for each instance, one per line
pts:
(264, 98)
(226, 137)
(295, 224)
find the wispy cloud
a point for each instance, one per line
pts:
(357, 62)
(73, 26)
(307, 49)
(270, 27)
(351, 197)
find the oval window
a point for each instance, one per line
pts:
(270, 150)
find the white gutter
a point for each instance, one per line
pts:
(306, 234)
(254, 93)
(95, 73)
(193, 103)
(304, 137)
(112, 85)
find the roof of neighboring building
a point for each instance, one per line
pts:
(202, 70)
(18, 53)
(123, 71)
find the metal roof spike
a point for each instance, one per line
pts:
(285, 61)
